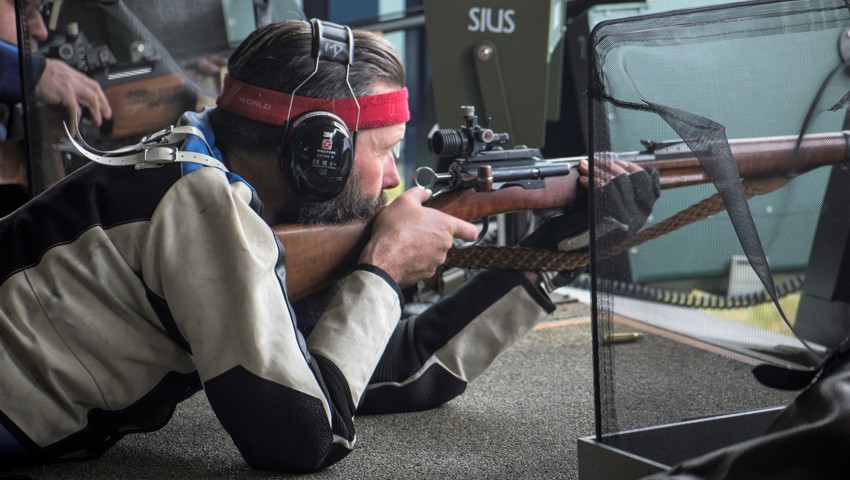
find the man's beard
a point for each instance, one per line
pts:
(351, 204)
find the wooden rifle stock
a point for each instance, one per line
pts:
(316, 255)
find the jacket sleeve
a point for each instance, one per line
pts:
(10, 72)
(287, 404)
(431, 358)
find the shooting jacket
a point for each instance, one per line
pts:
(126, 291)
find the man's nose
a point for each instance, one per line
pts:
(391, 177)
(37, 29)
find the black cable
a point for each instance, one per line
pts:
(692, 300)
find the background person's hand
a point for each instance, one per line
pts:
(409, 241)
(211, 65)
(62, 85)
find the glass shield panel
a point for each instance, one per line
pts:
(757, 86)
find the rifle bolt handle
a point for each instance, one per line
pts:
(426, 177)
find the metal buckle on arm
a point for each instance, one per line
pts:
(156, 137)
(155, 157)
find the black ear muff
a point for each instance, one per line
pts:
(317, 147)
(318, 150)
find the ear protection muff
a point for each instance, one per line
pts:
(317, 148)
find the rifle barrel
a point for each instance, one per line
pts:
(754, 157)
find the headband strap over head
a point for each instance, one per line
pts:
(272, 107)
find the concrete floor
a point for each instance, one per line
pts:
(520, 420)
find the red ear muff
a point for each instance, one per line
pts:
(318, 150)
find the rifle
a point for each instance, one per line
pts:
(486, 180)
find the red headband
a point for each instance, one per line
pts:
(272, 107)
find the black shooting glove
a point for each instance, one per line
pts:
(564, 230)
(624, 204)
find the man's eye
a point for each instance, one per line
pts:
(396, 150)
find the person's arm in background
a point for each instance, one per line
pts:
(63, 86)
(56, 84)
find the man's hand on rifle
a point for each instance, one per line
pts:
(623, 203)
(409, 241)
(605, 171)
(625, 184)
(625, 193)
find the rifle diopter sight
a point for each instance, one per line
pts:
(481, 163)
(468, 141)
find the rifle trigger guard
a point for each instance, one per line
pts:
(481, 235)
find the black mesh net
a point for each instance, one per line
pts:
(741, 108)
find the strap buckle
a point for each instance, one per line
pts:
(156, 157)
(158, 137)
